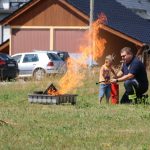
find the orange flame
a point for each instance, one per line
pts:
(75, 74)
(98, 43)
(72, 78)
(52, 92)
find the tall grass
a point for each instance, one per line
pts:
(86, 125)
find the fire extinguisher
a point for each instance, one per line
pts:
(114, 93)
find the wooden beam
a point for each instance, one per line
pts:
(49, 27)
(4, 45)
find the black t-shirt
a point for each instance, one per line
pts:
(137, 68)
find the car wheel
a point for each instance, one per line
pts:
(39, 74)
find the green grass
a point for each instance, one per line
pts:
(87, 125)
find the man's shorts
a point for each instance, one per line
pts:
(105, 89)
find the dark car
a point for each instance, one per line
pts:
(8, 67)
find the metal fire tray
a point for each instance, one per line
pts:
(49, 99)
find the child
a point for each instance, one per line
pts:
(104, 78)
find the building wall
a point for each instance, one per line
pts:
(6, 33)
(57, 19)
(1, 34)
(49, 13)
(5, 10)
(68, 39)
(4, 4)
(27, 40)
(113, 46)
(46, 38)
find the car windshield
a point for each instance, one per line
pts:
(4, 56)
(53, 56)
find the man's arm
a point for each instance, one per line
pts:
(119, 74)
(126, 77)
(123, 78)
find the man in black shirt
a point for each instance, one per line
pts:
(134, 75)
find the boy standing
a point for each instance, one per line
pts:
(104, 78)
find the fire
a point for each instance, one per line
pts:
(52, 92)
(93, 45)
(72, 78)
(98, 43)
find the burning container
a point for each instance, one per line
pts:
(51, 96)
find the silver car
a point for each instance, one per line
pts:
(39, 63)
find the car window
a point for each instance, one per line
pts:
(53, 56)
(63, 55)
(30, 58)
(4, 57)
(17, 58)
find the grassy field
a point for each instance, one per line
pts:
(86, 125)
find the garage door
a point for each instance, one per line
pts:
(26, 40)
(68, 39)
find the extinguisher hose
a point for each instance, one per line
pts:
(99, 82)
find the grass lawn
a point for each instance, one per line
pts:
(86, 125)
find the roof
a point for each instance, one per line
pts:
(119, 18)
(136, 4)
(140, 7)
(32, 3)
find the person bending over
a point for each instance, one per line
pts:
(134, 75)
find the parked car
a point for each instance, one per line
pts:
(39, 63)
(8, 67)
(62, 54)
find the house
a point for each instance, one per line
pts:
(60, 24)
(37, 25)
(7, 7)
